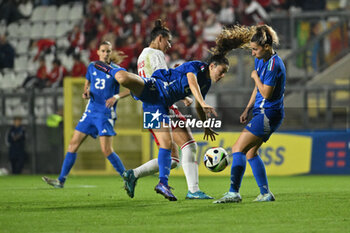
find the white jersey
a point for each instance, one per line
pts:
(149, 61)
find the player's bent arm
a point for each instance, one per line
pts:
(86, 93)
(192, 82)
(251, 102)
(201, 114)
(194, 87)
(265, 90)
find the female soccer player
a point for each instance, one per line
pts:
(151, 59)
(266, 102)
(98, 118)
(162, 90)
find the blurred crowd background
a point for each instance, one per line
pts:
(50, 39)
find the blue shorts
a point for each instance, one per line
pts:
(152, 100)
(96, 125)
(264, 124)
(150, 93)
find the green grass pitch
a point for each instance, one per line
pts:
(100, 204)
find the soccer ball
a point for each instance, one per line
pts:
(216, 159)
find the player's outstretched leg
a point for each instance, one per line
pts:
(53, 182)
(129, 182)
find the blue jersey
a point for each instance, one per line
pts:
(102, 87)
(271, 73)
(173, 84)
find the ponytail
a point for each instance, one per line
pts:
(159, 29)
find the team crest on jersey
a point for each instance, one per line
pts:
(202, 67)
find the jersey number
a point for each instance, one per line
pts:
(142, 73)
(100, 83)
(83, 117)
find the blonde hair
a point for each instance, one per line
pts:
(240, 36)
(265, 35)
(117, 57)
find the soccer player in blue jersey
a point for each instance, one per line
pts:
(266, 102)
(162, 90)
(151, 59)
(99, 117)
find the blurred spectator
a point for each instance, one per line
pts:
(226, 14)
(76, 39)
(43, 45)
(199, 50)
(16, 137)
(41, 77)
(79, 68)
(25, 7)
(94, 8)
(211, 30)
(9, 11)
(93, 50)
(128, 47)
(90, 28)
(7, 53)
(58, 72)
(254, 13)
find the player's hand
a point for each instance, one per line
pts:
(254, 74)
(244, 117)
(208, 132)
(187, 101)
(209, 110)
(86, 95)
(110, 102)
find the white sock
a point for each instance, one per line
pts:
(151, 167)
(189, 165)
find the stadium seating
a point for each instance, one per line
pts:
(38, 13)
(50, 14)
(63, 13)
(37, 30)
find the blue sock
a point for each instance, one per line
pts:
(115, 70)
(164, 163)
(259, 172)
(116, 162)
(68, 163)
(237, 170)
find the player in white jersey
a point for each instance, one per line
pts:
(151, 59)
(99, 117)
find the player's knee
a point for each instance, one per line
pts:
(166, 144)
(122, 77)
(73, 146)
(106, 151)
(236, 148)
(174, 151)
